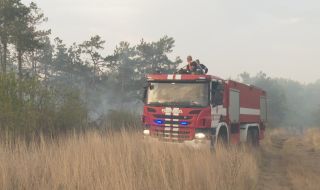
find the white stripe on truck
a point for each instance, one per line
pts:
(178, 77)
(249, 111)
(170, 77)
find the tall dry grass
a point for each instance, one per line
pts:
(303, 155)
(290, 159)
(122, 161)
(312, 138)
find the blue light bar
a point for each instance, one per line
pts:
(159, 121)
(184, 123)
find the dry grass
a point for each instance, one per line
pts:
(122, 161)
(312, 138)
(303, 155)
(290, 160)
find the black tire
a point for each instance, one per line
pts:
(222, 139)
(249, 137)
(212, 143)
(253, 137)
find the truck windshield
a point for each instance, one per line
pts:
(178, 94)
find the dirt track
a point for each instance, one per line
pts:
(288, 162)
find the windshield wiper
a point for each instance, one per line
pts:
(176, 104)
(155, 104)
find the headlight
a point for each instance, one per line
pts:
(200, 136)
(146, 132)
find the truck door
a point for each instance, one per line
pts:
(234, 106)
(263, 109)
(234, 116)
(217, 92)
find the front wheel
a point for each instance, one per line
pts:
(219, 141)
(222, 139)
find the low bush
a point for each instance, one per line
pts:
(28, 107)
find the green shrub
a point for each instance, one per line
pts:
(28, 107)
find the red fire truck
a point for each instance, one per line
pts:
(203, 109)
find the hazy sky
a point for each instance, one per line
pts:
(279, 37)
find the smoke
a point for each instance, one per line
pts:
(290, 103)
(103, 101)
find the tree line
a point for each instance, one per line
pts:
(48, 85)
(290, 103)
(75, 81)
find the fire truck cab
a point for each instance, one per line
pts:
(203, 109)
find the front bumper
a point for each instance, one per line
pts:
(197, 141)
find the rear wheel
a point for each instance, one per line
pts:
(256, 137)
(253, 137)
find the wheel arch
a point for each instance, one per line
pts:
(245, 128)
(221, 126)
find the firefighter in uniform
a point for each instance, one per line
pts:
(190, 65)
(193, 67)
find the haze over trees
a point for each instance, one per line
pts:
(290, 103)
(47, 85)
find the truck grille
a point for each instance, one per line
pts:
(173, 134)
(172, 117)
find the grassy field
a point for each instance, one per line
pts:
(290, 160)
(122, 161)
(126, 161)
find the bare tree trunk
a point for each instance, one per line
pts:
(20, 64)
(4, 58)
(34, 63)
(46, 73)
(1, 55)
(94, 75)
(20, 72)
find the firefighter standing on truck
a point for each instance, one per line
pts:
(195, 67)
(189, 61)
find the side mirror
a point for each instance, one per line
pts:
(145, 91)
(217, 93)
